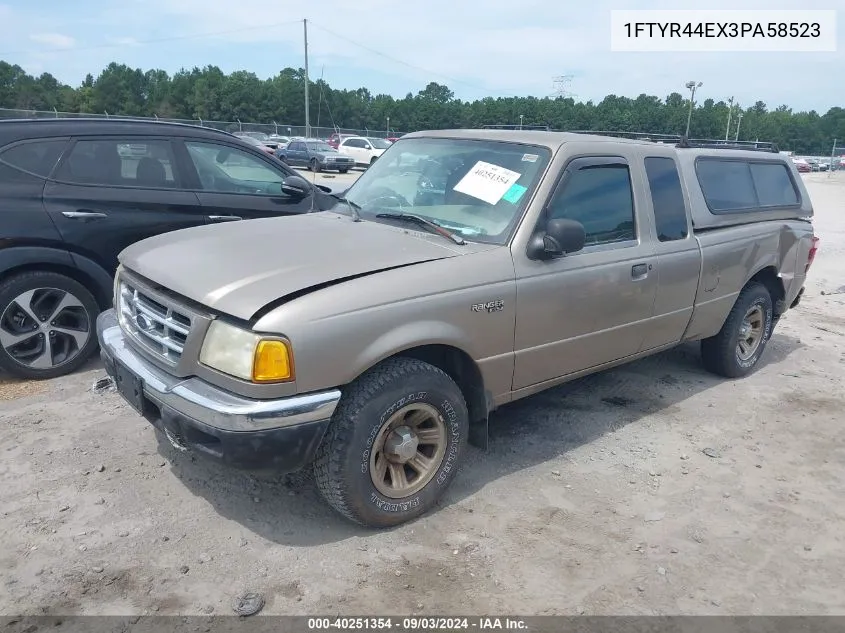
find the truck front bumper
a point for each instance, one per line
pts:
(280, 435)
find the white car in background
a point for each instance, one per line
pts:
(364, 150)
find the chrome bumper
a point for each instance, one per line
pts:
(204, 402)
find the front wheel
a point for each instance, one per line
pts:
(394, 444)
(47, 325)
(314, 165)
(735, 351)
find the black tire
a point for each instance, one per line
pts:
(721, 354)
(373, 160)
(343, 465)
(314, 165)
(343, 171)
(48, 287)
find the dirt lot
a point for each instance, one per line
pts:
(594, 498)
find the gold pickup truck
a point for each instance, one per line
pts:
(464, 270)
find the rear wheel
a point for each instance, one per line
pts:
(47, 325)
(344, 170)
(735, 351)
(394, 444)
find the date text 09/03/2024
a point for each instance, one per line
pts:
(429, 623)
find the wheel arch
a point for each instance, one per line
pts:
(768, 277)
(464, 371)
(16, 260)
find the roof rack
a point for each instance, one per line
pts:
(681, 141)
(544, 128)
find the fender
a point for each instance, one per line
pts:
(33, 256)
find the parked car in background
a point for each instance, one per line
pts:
(802, 165)
(336, 138)
(315, 154)
(364, 151)
(373, 346)
(264, 147)
(277, 140)
(76, 192)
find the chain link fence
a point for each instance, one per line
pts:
(281, 129)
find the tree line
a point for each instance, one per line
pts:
(210, 94)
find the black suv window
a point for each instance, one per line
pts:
(670, 214)
(599, 197)
(29, 162)
(227, 169)
(120, 162)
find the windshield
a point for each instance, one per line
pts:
(321, 147)
(476, 189)
(379, 143)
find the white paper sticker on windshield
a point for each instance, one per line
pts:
(487, 182)
(529, 158)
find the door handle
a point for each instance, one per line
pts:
(640, 271)
(224, 218)
(83, 215)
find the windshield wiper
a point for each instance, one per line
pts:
(354, 207)
(431, 225)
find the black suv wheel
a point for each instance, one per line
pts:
(47, 325)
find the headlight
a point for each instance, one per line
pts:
(246, 355)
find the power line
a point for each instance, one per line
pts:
(404, 63)
(153, 41)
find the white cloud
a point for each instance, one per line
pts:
(55, 40)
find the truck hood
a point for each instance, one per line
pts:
(239, 268)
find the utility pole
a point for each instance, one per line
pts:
(738, 123)
(730, 112)
(307, 114)
(691, 85)
(832, 156)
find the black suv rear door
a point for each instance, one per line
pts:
(111, 191)
(234, 182)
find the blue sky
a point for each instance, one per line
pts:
(478, 48)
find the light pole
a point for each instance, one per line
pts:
(738, 123)
(521, 116)
(730, 112)
(691, 85)
(388, 126)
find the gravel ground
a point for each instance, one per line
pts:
(655, 488)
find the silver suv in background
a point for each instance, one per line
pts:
(464, 270)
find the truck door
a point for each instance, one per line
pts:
(591, 307)
(678, 254)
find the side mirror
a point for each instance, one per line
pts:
(368, 147)
(560, 237)
(296, 186)
(222, 156)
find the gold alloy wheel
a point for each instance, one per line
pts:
(408, 450)
(750, 333)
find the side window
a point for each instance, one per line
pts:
(121, 162)
(599, 197)
(296, 147)
(726, 184)
(226, 169)
(773, 184)
(353, 142)
(667, 197)
(29, 163)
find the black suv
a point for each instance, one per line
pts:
(76, 192)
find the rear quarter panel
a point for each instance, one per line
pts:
(731, 256)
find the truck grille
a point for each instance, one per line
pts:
(160, 329)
